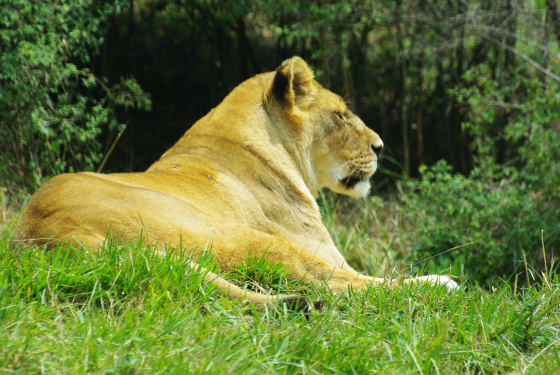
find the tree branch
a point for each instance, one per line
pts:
(524, 57)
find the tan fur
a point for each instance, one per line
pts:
(242, 181)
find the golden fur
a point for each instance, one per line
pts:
(242, 181)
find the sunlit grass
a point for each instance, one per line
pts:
(126, 310)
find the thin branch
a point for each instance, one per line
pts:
(524, 57)
(501, 31)
(505, 105)
(102, 165)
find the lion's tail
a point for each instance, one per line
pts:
(259, 300)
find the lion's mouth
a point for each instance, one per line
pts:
(352, 180)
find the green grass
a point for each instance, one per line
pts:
(128, 311)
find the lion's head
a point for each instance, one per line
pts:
(343, 151)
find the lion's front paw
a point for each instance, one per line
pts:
(446, 281)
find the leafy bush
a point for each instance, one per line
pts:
(501, 216)
(52, 105)
(492, 227)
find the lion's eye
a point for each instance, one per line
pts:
(339, 115)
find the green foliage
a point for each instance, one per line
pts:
(73, 276)
(503, 215)
(491, 227)
(125, 309)
(52, 105)
(470, 82)
(259, 275)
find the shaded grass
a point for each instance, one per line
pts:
(126, 310)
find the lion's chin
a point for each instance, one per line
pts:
(359, 189)
(356, 184)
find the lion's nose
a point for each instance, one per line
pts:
(377, 147)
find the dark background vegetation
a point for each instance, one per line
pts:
(474, 84)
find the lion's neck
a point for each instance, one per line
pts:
(252, 149)
(246, 134)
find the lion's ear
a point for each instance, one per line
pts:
(293, 82)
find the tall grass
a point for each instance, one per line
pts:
(126, 310)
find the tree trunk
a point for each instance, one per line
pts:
(403, 94)
(552, 9)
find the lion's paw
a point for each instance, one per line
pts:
(443, 280)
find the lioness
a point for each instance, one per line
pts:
(241, 182)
